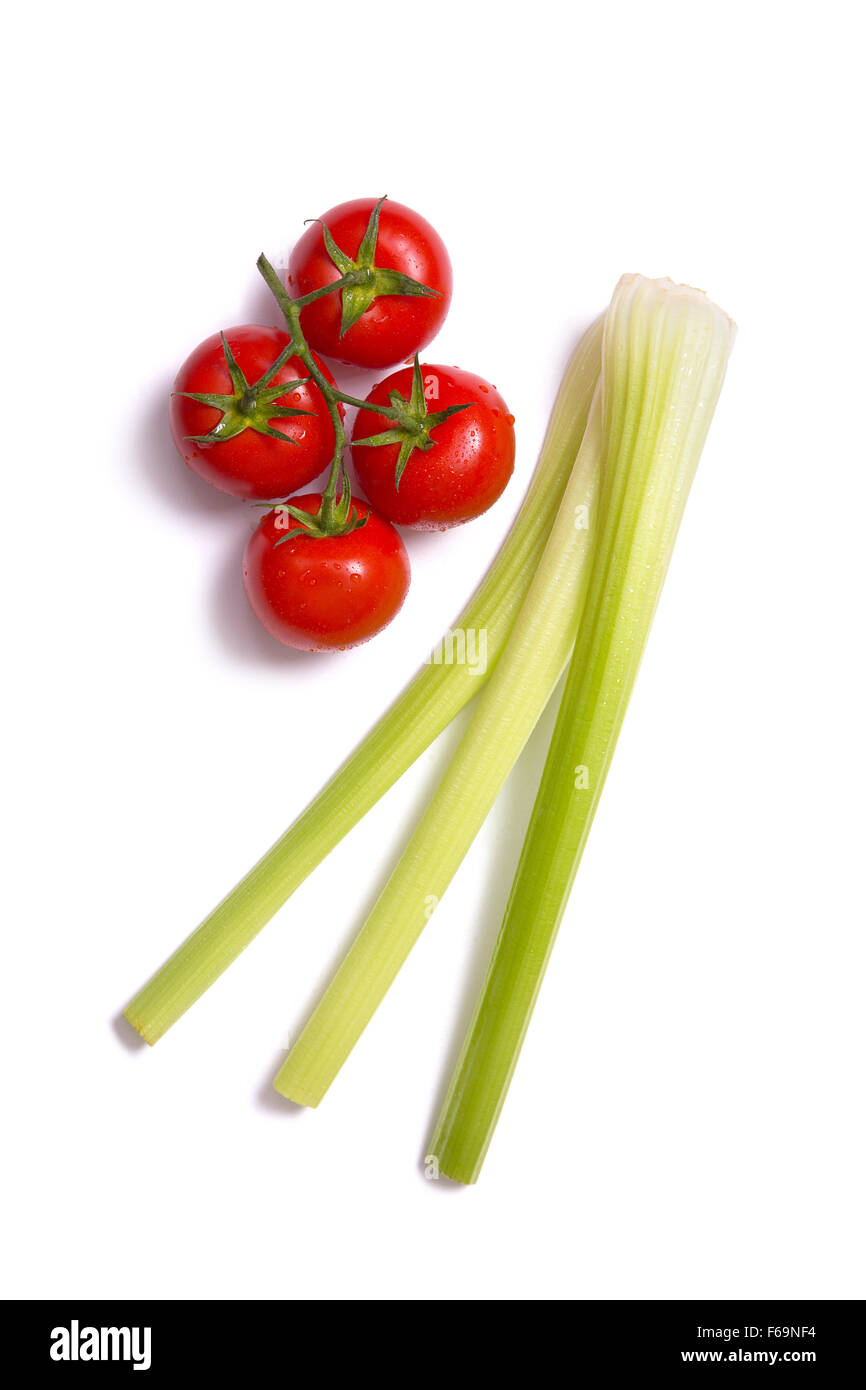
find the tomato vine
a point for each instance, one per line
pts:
(360, 282)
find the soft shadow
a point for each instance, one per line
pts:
(126, 1034)
(569, 352)
(513, 810)
(442, 1183)
(163, 466)
(258, 304)
(357, 382)
(422, 544)
(239, 628)
(270, 1100)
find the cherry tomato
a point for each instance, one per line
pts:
(464, 470)
(394, 327)
(248, 461)
(325, 594)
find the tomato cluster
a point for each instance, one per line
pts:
(256, 412)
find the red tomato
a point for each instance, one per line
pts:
(325, 594)
(465, 470)
(394, 327)
(249, 463)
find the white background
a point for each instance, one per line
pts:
(687, 1117)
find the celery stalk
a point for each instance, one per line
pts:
(411, 724)
(664, 358)
(507, 711)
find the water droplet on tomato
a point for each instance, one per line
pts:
(509, 419)
(485, 389)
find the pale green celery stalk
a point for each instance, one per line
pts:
(416, 718)
(665, 352)
(507, 711)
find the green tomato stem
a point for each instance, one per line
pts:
(335, 515)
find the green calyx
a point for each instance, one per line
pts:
(362, 280)
(249, 406)
(334, 518)
(413, 423)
